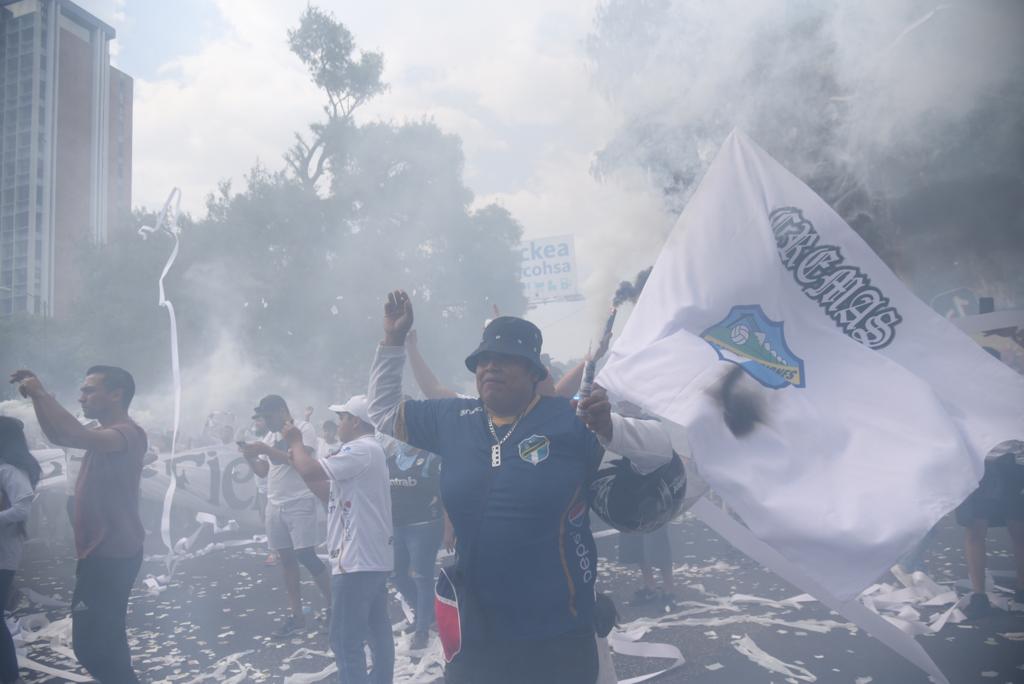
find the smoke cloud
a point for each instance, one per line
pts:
(904, 115)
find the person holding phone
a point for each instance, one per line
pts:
(291, 519)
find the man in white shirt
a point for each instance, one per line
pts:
(360, 543)
(291, 505)
(329, 444)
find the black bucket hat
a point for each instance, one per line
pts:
(512, 336)
(272, 403)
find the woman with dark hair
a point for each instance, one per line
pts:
(19, 473)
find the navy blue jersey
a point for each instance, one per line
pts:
(414, 484)
(530, 555)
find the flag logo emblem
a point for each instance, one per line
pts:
(534, 449)
(754, 342)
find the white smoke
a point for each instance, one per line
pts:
(224, 381)
(870, 102)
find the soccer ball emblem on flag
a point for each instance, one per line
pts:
(748, 338)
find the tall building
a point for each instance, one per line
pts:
(65, 149)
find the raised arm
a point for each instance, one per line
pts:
(312, 472)
(57, 423)
(385, 391)
(425, 378)
(570, 382)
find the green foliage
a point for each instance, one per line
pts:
(294, 276)
(327, 49)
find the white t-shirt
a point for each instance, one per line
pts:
(359, 530)
(325, 448)
(284, 483)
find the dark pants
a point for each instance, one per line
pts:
(567, 659)
(359, 614)
(415, 556)
(98, 609)
(8, 658)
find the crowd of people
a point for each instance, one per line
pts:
(501, 479)
(504, 479)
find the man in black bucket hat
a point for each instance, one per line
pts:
(519, 604)
(507, 364)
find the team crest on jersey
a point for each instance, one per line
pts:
(534, 449)
(755, 343)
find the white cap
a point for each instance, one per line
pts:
(358, 406)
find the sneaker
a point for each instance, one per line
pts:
(419, 641)
(291, 626)
(642, 596)
(977, 607)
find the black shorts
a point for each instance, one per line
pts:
(564, 659)
(999, 496)
(652, 549)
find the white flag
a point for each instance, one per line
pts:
(876, 412)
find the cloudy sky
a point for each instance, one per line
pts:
(217, 90)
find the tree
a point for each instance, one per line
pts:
(280, 286)
(328, 50)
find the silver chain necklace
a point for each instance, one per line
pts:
(496, 447)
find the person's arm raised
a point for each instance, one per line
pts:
(59, 426)
(301, 460)
(385, 388)
(425, 378)
(569, 383)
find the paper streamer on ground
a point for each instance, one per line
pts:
(871, 622)
(61, 675)
(756, 654)
(621, 643)
(167, 222)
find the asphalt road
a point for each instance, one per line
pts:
(213, 621)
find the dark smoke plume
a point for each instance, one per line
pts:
(630, 292)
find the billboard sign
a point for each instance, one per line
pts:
(549, 270)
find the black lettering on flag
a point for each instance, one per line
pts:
(844, 292)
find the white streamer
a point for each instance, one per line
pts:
(756, 654)
(311, 677)
(167, 222)
(62, 675)
(855, 611)
(622, 644)
(43, 600)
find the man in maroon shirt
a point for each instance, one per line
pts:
(108, 529)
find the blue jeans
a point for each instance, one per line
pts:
(359, 614)
(415, 557)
